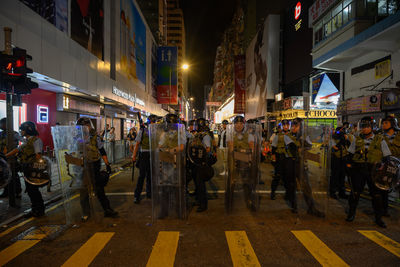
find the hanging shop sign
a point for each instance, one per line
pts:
(391, 100)
(287, 103)
(240, 80)
(167, 79)
(297, 13)
(366, 104)
(71, 104)
(312, 114)
(382, 69)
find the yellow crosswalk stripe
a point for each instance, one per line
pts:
(321, 252)
(26, 243)
(383, 241)
(88, 251)
(164, 250)
(242, 252)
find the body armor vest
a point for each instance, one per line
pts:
(93, 153)
(372, 155)
(241, 143)
(394, 146)
(27, 155)
(341, 152)
(281, 147)
(145, 142)
(297, 143)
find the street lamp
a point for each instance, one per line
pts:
(185, 66)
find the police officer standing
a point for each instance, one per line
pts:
(94, 153)
(278, 156)
(3, 149)
(295, 171)
(339, 144)
(143, 141)
(200, 185)
(27, 154)
(222, 145)
(392, 137)
(366, 150)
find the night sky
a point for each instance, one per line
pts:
(205, 22)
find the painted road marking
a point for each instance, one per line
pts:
(9, 230)
(242, 252)
(164, 250)
(321, 252)
(383, 241)
(88, 251)
(28, 241)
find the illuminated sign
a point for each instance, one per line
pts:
(42, 114)
(297, 11)
(128, 96)
(312, 114)
(65, 102)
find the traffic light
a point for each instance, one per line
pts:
(13, 72)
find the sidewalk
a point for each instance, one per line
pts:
(8, 213)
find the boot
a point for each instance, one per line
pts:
(379, 222)
(110, 213)
(353, 201)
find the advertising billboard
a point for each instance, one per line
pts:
(167, 75)
(262, 71)
(87, 25)
(132, 43)
(240, 88)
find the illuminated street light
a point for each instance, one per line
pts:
(185, 66)
(191, 99)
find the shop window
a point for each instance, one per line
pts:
(382, 8)
(393, 6)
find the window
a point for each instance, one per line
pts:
(382, 7)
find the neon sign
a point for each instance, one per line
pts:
(297, 11)
(42, 114)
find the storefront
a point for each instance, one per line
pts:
(226, 111)
(352, 110)
(315, 117)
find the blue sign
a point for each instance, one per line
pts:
(167, 77)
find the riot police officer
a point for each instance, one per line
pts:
(222, 145)
(339, 145)
(278, 156)
(295, 171)
(241, 145)
(28, 153)
(366, 150)
(392, 137)
(143, 141)
(203, 138)
(3, 149)
(94, 153)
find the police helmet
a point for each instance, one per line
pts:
(225, 122)
(171, 118)
(85, 121)
(393, 122)
(151, 119)
(283, 122)
(37, 173)
(367, 121)
(239, 119)
(29, 128)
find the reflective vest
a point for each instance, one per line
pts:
(341, 152)
(241, 143)
(145, 142)
(394, 146)
(93, 153)
(372, 155)
(281, 147)
(27, 154)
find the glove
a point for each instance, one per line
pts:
(108, 168)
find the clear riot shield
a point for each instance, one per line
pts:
(69, 147)
(313, 171)
(242, 182)
(167, 155)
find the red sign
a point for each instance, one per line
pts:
(297, 11)
(167, 94)
(240, 88)
(317, 9)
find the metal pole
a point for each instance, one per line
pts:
(9, 123)
(170, 85)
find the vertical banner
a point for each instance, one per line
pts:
(87, 25)
(316, 84)
(167, 78)
(240, 88)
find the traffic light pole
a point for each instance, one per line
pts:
(10, 120)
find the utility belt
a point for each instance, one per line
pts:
(243, 155)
